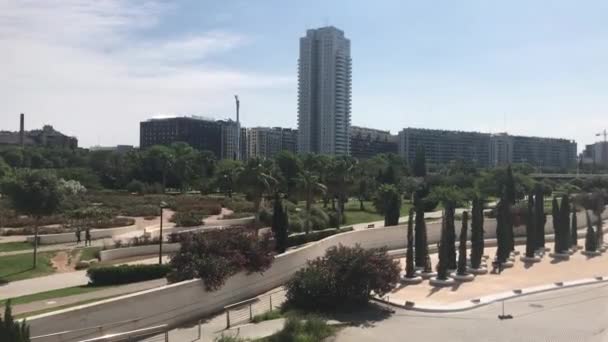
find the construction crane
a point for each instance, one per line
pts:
(604, 133)
(604, 146)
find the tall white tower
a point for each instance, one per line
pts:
(324, 92)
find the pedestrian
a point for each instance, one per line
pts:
(78, 235)
(87, 237)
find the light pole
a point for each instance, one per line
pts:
(162, 206)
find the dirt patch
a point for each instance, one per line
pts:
(62, 263)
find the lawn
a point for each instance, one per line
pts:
(57, 308)
(18, 267)
(59, 293)
(89, 253)
(15, 246)
(354, 215)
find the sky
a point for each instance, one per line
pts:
(95, 69)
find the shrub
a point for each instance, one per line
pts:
(12, 330)
(239, 205)
(344, 276)
(136, 186)
(125, 274)
(266, 217)
(82, 265)
(216, 255)
(295, 224)
(318, 219)
(187, 219)
(300, 239)
(114, 223)
(309, 330)
(237, 216)
(141, 210)
(201, 205)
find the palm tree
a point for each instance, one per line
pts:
(339, 180)
(256, 179)
(309, 183)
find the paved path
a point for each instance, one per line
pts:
(578, 314)
(105, 293)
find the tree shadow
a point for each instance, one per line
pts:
(434, 290)
(456, 286)
(363, 317)
(3, 277)
(528, 264)
(557, 261)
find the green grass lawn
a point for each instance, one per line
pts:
(18, 267)
(354, 215)
(15, 246)
(57, 308)
(89, 253)
(59, 293)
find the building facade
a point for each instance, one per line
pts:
(596, 153)
(200, 133)
(324, 92)
(45, 137)
(267, 142)
(487, 150)
(368, 142)
(229, 140)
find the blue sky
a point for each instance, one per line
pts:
(94, 69)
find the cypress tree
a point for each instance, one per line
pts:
(510, 236)
(279, 225)
(510, 186)
(410, 272)
(539, 210)
(590, 236)
(451, 237)
(557, 227)
(11, 330)
(502, 251)
(564, 221)
(422, 249)
(477, 243)
(419, 167)
(462, 248)
(574, 228)
(442, 266)
(531, 240)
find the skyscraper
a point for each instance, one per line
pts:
(324, 92)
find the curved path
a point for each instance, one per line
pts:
(577, 314)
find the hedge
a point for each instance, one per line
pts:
(125, 274)
(300, 239)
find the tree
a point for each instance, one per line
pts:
(451, 197)
(290, 167)
(422, 248)
(574, 228)
(344, 276)
(339, 180)
(410, 271)
(462, 248)
(442, 265)
(565, 223)
(419, 167)
(256, 180)
(531, 240)
(477, 242)
(157, 162)
(36, 194)
(308, 182)
(503, 250)
(10, 330)
(557, 228)
(388, 203)
(216, 255)
(280, 222)
(540, 218)
(510, 186)
(590, 236)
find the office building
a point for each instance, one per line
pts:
(200, 133)
(230, 130)
(485, 150)
(45, 137)
(267, 142)
(324, 92)
(596, 153)
(368, 142)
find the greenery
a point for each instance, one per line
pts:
(410, 270)
(590, 236)
(125, 274)
(19, 266)
(187, 219)
(421, 253)
(344, 276)
(300, 239)
(12, 331)
(267, 316)
(59, 293)
(310, 329)
(15, 246)
(388, 202)
(462, 247)
(280, 223)
(477, 233)
(89, 253)
(214, 256)
(530, 229)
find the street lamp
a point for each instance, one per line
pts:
(162, 206)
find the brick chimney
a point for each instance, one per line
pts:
(21, 129)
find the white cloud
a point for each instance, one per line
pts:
(84, 67)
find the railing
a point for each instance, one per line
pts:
(246, 310)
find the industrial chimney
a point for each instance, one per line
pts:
(21, 129)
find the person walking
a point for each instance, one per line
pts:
(78, 235)
(87, 237)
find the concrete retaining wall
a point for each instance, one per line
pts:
(49, 239)
(185, 301)
(129, 252)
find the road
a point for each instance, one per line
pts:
(577, 314)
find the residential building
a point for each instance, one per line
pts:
(485, 150)
(45, 137)
(200, 133)
(441, 146)
(596, 153)
(368, 142)
(267, 142)
(324, 92)
(230, 130)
